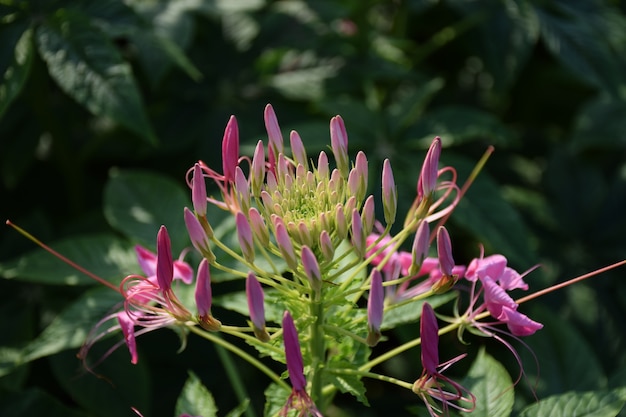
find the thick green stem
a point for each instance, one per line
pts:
(318, 350)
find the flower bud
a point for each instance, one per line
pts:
(204, 298)
(284, 243)
(198, 191)
(339, 144)
(368, 215)
(358, 237)
(244, 234)
(311, 268)
(257, 169)
(273, 133)
(390, 195)
(375, 307)
(421, 244)
(256, 307)
(257, 224)
(230, 149)
(430, 168)
(326, 246)
(242, 189)
(165, 263)
(298, 152)
(198, 236)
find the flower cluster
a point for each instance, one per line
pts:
(308, 238)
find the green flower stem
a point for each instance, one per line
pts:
(235, 378)
(215, 338)
(318, 349)
(408, 345)
(371, 375)
(250, 339)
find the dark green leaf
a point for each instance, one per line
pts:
(15, 73)
(195, 399)
(350, 384)
(489, 381)
(105, 256)
(86, 65)
(588, 404)
(137, 203)
(35, 402)
(566, 361)
(239, 410)
(600, 125)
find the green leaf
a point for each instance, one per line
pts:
(490, 382)
(68, 330)
(34, 402)
(600, 125)
(577, 36)
(350, 384)
(118, 385)
(195, 399)
(16, 72)
(137, 203)
(105, 256)
(275, 398)
(587, 404)
(88, 67)
(239, 410)
(457, 125)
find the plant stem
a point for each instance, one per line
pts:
(318, 349)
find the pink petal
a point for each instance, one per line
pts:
(128, 329)
(518, 323)
(496, 298)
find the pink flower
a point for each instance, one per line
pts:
(432, 384)
(299, 400)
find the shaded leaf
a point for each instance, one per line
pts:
(565, 358)
(351, 384)
(34, 402)
(239, 410)
(86, 65)
(68, 330)
(600, 125)
(195, 399)
(96, 393)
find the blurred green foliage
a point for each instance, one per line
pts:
(105, 104)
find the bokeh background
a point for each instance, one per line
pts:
(103, 102)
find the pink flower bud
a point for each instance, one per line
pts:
(368, 215)
(430, 168)
(322, 167)
(293, 355)
(298, 152)
(256, 307)
(339, 144)
(257, 169)
(244, 234)
(198, 236)
(375, 307)
(390, 195)
(165, 264)
(273, 133)
(326, 246)
(444, 251)
(421, 243)
(242, 188)
(230, 149)
(429, 333)
(257, 224)
(358, 237)
(311, 268)
(284, 243)
(204, 298)
(198, 191)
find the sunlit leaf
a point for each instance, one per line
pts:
(490, 382)
(106, 256)
(137, 203)
(587, 404)
(19, 39)
(195, 399)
